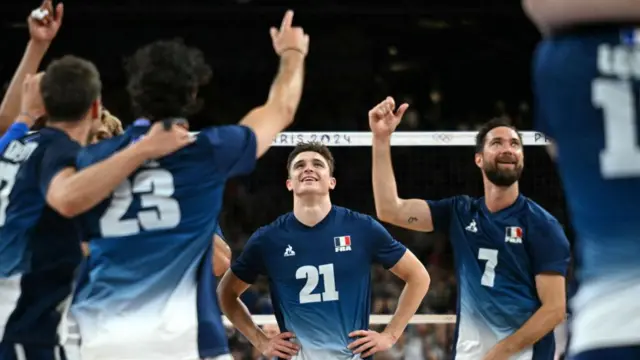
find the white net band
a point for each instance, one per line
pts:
(373, 320)
(400, 138)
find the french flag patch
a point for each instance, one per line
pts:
(342, 243)
(513, 235)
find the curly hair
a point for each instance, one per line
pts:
(164, 78)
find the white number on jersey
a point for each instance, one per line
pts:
(491, 258)
(621, 155)
(8, 173)
(312, 274)
(158, 209)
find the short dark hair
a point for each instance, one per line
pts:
(164, 78)
(481, 137)
(69, 86)
(315, 147)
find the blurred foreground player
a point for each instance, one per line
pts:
(144, 297)
(587, 84)
(318, 260)
(40, 247)
(511, 256)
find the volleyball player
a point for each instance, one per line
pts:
(511, 255)
(40, 250)
(587, 82)
(143, 298)
(318, 261)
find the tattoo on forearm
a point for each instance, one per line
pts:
(412, 219)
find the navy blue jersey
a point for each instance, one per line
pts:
(149, 243)
(587, 85)
(40, 249)
(319, 276)
(497, 256)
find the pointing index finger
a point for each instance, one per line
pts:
(287, 20)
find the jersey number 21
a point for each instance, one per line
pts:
(312, 275)
(158, 210)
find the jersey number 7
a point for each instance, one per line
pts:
(158, 210)
(491, 258)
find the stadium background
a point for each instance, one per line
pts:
(458, 64)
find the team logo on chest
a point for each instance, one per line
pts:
(342, 243)
(513, 235)
(289, 251)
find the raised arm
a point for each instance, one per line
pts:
(266, 121)
(411, 214)
(551, 15)
(42, 33)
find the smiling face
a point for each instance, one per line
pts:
(310, 174)
(501, 159)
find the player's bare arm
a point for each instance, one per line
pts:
(229, 291)
(30, 103)
(73, 192)
(551, 15)
(417, 281)
(411, 214)
(221, 256)
(266, 121)
(552, 293)
(42, 32)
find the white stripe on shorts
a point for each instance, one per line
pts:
(20, 354)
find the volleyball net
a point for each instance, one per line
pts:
(401, 138)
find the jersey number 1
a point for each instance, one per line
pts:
(621, 155)
(158, 210)
(312, 274)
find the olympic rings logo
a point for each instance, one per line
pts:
(444, 138)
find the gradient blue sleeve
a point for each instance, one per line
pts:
(15, 131)
(58, 155)
(387, 251)
(250, 264)
(549, 248)
(233, 148)
(441, 213)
